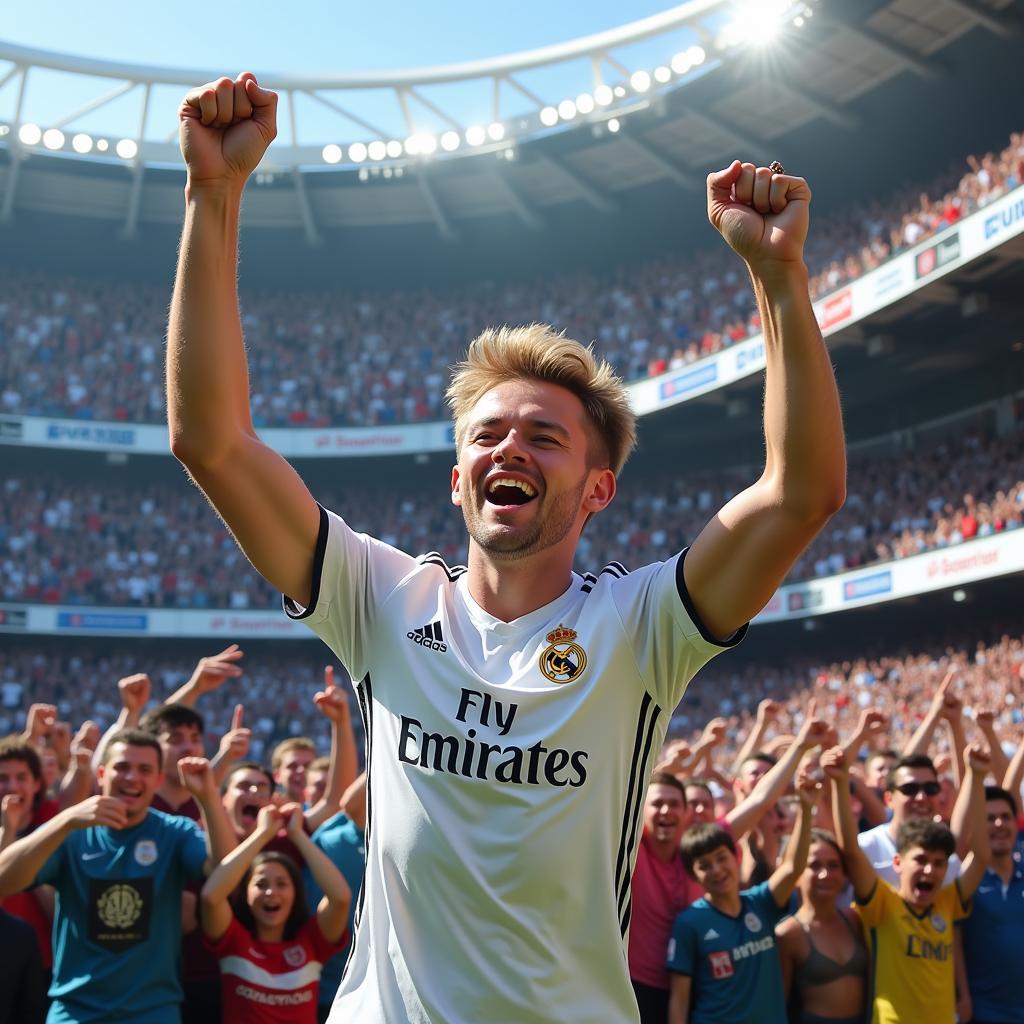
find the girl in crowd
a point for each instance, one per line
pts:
(824, 958)
(271, 950)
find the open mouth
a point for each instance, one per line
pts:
(248, 812)
(507, 491)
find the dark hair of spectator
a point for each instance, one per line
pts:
(300, 911)
(762, 756)
(134, 738)
(698, 783)
(168, 717)
(991, 793)
(822, 835)
(14, 748)
(929, 835)
(703, 839)
(667, 779)
(247, 766)
(910, 761)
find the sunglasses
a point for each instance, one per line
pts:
(911, 789)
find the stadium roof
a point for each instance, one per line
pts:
(724, 95)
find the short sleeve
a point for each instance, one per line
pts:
(234, 939)
(958, 907)
(873, 910)
(669, 642)
(352, 576)
(322, 947)
(682, 947)
(763, 901)
(191, 847)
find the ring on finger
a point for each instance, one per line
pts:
(776, 168)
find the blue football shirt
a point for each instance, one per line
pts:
(993, 939)
(117, 922)
(733, 961)
(344, 844)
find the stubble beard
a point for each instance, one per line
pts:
(549, 528)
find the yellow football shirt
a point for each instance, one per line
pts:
(911, 956)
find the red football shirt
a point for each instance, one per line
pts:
(660, 891)
(272, 982)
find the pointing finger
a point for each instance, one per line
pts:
(236, 718)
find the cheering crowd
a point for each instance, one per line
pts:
(158, 546)
(93, 349)
(871, 785)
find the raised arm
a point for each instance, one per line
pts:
(745, 552)
(23, 859)
(1014, 774)
(134, 691)
(332, 913)
(234, 746)
(922, 738)
(332, 702)
(745, 815)
(767, 712)
(986, 722)
(196, 776)
(225, 128)
(858, 867)
(209, 674)
(225, 877)
(978, 764)
(785, 876)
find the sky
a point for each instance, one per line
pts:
(305, 36)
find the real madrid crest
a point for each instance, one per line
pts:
(563, 661)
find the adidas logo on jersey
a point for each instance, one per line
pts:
(428, 636)
(710, 934)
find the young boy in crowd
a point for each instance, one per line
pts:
(910, 926)
(723, 958)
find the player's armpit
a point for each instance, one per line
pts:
(268, 509)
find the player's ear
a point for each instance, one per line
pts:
(601, 493)
(456, 487)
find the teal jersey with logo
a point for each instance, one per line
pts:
(117, 922)
(733, 961)
(343, 843)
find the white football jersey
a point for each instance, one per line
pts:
(507, 767)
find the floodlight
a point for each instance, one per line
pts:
(620, 91)
(30, 134)
(681, 63)
(420, 144)
(567, 110)
(798, 21)
(614, 125)
(394, 149)
(696, 55)
(102, 145)
(476, 135)
(450, 141)
(364, 174)
(584, 103)
(640, 81)
(387, 172)
(53, 138)
(377, 150)
(127, 149)
(662, 74)
(496, 131)
(357, 154)
(81, 143)
(756, 22)
(603, 95)
(549, 116)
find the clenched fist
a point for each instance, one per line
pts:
(225, 128)
(762, 215)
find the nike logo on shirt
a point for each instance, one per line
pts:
(91, 856)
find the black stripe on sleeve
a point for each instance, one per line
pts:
(684, 596)
(292, 610)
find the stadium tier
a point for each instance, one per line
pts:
(91, 349)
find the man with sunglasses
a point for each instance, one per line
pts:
(911, 793)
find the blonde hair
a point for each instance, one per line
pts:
(285, 747)
(541, 353)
